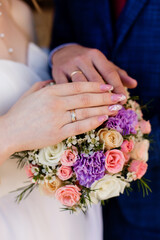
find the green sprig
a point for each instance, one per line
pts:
(25, 191)
(142, 184)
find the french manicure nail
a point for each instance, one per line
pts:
(114, 108)
(106, 87)
(118, 97)
(102, 118)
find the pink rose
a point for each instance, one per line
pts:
(127, 157)
(114, 161)
(64, 172)
(28, 169)
(145, 126)
(138, 167)
(69, 157)
(68, 195)
(127, 146)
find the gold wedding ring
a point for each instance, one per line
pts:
(73, 115)
(75, 72)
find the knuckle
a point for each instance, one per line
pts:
(95, 52)
(85, 99)
(79, 59)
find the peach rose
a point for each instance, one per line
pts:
(49, 188)
(68, 195)
(140, 151)
(139, 168)
(110, 138)
(114, 161)
(145, 126)
(28, 169)
(64, 172)
(69, 157)
(127, 146)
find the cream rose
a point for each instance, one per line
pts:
(107, 187)
(140, 151)
(110, 138)
(49, 188)
(50, 156)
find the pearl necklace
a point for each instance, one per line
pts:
(2, 35)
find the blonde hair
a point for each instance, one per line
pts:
(36, 5)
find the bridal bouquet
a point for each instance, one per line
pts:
(93, 166)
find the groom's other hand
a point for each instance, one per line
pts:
(77, 63)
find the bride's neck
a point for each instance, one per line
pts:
(13, 41)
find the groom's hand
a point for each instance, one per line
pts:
(77, 63)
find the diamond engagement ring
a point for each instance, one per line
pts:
(75, 72)
(73, 115)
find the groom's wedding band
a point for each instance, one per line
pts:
(73, 115)
(75, 72)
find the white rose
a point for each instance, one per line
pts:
(107, 187)
(140, 151)
(50, 156)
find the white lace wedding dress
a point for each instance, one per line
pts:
(38, 217)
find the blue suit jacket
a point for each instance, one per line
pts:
(134, 45)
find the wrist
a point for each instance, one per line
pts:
(6, 143)
(57, 49)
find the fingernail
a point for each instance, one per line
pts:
(102, 118)
(118, 97)
(106, 87)
(114, 108)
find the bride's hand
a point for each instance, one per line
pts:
(42, 116)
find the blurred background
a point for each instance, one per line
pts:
(43, 20)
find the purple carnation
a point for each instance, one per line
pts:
(89, 168)
(124, 122)
(114, 123)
